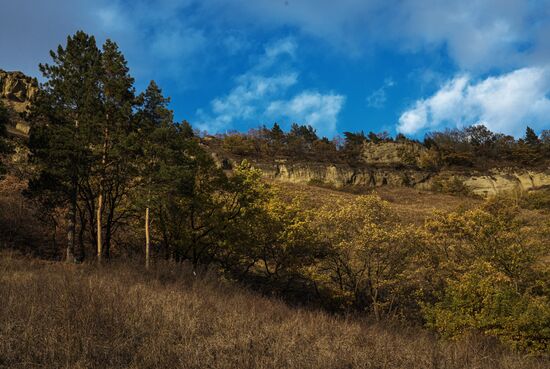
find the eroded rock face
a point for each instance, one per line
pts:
(17, 91)
(498, 182)
(339, 176)
(17, 87)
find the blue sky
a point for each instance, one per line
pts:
(394, 65)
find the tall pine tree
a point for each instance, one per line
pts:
(64, 131)
(155, 125)
(531, 137)
(114, 171)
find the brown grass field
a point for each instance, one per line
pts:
(412, 205)
(54, 315)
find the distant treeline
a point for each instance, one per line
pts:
(472, 146)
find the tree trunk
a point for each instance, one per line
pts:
(71, 226)
(147, 240)
(99, 240)
(100, 197)
(82, 249)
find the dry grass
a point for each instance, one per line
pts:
(59, 316)
(412, 205)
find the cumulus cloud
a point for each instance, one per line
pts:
(262, 93)
(244, 101)
(310, 107)
(504, 103)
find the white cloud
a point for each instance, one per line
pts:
(280, 47)
(262, 93)
(377, 99)
(478, 35)
(243, 101)
(504, 103)
(310, 107)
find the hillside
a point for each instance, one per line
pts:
(452, 163)
(446, 238)
(378, 163)
(118, 317)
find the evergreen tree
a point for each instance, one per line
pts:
(113, 171)
(306, 132)
(400, 137)
(353, 143)
(155, 125)
(64, 130)
(186, 129)
(373, 137)
(531, 137)
(277, 133)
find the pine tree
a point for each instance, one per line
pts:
(277, 133)
(154, 125)
(65, 119)
(114, 172)
(531, 137)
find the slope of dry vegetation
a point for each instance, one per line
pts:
(56, 315)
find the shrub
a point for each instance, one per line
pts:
(536, 200)
(452, 186)
(486, 299)
(489, 276)
(370, 257)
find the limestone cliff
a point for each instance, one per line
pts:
(510, 181)
(17, 92)
(341, 175)
(389, 169)
(18, 88)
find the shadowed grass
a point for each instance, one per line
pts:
(60, 316)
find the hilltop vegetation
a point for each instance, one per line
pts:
(470, 147)
(111, 176)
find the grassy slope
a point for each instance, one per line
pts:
(412, 205)
(54, 315)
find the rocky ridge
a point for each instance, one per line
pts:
(17, 92)
(382, 164)
(394, 164)
(489, 184)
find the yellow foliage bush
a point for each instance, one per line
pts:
(490, 276)
(370, 258)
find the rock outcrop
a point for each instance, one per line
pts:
(341, 175)
(502, 181)
(17, 91)
(17, 87)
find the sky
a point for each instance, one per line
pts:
(348, 65)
